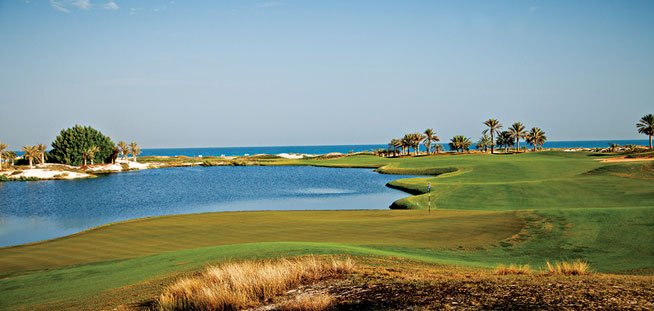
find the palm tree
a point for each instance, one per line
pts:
(646, 126)
(438, 148)
(536, 137)
(494, 126)
(124, 149)
(505, 139)
(430, 137)
(613, 146)
(416, 139)
(135, 150)
(484, 142)
(9, 155)
(394, 144)
(90, 154)
(406, 143)
(517, 131)
(2, 148)
(31, 152)
(41, 150)
(460, 142)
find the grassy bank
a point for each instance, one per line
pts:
(489, 210)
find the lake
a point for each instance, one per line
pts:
(34, 211)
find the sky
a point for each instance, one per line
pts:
(265, 73)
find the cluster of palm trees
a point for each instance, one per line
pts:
(535, 137)
(124, 149)
(34, 152)
(38, 152)
(491, 137)
(413, 141)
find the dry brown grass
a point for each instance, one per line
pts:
(512, 269)
(308, 303)
(577, 267)
(237, 285)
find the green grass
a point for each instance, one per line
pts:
(489, 209)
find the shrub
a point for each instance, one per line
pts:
(512, 269)
(577, 267)
(72, 142)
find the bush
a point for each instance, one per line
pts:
(69, 145)
(577, 267)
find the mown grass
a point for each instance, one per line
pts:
(501, 209)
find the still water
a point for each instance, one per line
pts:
(34, 211)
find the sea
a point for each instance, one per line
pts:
(323, 149)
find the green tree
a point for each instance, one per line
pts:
(69, 146)
(536, 137)
(2, 148)
(517, 131)
(134, 149)
(438, 148)
(494, 127)
(429, 138)
(646, 126)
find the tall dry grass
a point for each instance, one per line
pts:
(308, 303)
(577, 267)
(512, 269)
(237, 285)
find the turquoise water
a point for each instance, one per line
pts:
(239, 151)
(34, 211)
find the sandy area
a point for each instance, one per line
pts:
(294, 155)
(624, 159)
(42, 173)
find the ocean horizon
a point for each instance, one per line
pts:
(323, 149)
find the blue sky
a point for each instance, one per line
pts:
(246, 73)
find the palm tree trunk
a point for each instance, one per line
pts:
(517, 145)
(650, 141)
(492, 143)
(30, 159)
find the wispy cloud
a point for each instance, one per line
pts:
(269, 4)
(111, 6)
(132, 11)
(59, 5)
(533, 9)
(82, 4)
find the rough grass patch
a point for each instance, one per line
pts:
(237, 285)
(577, 267)
(308, 303)
(512, 269)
